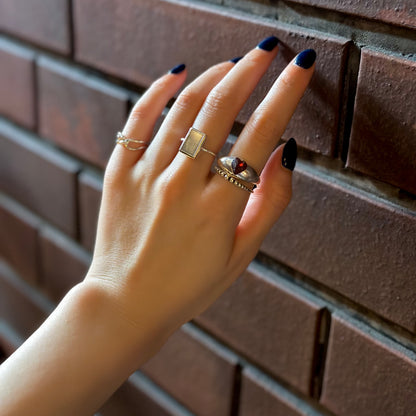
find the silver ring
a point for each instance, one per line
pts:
(192, 143)
(124, 141)
(239, 169)
(233, 180)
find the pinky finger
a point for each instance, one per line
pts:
(265, 206)
(143, 117)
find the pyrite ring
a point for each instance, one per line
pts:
(124, 141)
(238, 169)
(192, 143)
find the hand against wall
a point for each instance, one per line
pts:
(172, 235)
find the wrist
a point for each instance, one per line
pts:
(128, 319)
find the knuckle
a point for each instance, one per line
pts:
(253, 60)
(139, 112)
(218, 100)
(285, 82)
(187, 98)
(261, 129)
(170, 188)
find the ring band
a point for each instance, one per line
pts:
(233, 180)
(124, 141)
(238, 169)
(192, 143)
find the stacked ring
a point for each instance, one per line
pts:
(223, 173)
(238, 172)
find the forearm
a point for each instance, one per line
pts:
(76, 359)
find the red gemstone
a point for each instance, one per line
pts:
(238, 165)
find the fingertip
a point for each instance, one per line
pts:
(177, 69)
(289, 154)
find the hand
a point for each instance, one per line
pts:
(172, 236)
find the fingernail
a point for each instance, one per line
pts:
(290, 153)
(235, 60)
(177, 69)
(306, 58)
(268, 44)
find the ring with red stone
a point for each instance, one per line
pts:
(238, 169)
(192, 143)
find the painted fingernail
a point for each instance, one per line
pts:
(306, 58)
(268, 44)
(177, 69)
(290, 153)
(235, 60)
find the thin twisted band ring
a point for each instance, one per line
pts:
(124, 141)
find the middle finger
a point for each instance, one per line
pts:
(224, 102)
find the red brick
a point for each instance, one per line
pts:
(17, 84)
(383, 138)
(79, 112)
(18, 239)
(261, 398)
(10, 341)
(357, 246)
(400, 13)
(136, 397)
(90, 188)
(39, 177)
(367, 375)
(268, 322)
(63, 263)
(20, 306)
(43, 22)
(197, 374)
(178, 31)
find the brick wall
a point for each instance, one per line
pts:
(323, 322)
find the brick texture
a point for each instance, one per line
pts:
(383, 140)
(259, 398)
(44, 22)
(18, 239)
(17, 84)
(359, 247)
(402, 13)
(35, 175)
(90, 188)
(365, 376)
(20, 305)
(63, 263)
(136, 397)
(197, 375)
(268, 323)
(288, 337)
(78, 112)
(168, 27)
(10, 341)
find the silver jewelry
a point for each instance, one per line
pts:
(238, 169)
(192, 143)
(233, 180)
(124, 141)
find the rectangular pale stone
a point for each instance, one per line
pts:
(192, 143)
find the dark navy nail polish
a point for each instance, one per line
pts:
(290, 154)
(268, 44)
(306, 58)
(177, 69)
(235, 60)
